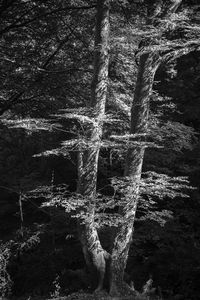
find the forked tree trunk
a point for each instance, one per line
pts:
(139, 122)
(94, 254)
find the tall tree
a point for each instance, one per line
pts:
(94, 254)
(148, 64)
(152, 52)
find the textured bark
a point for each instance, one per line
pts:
(148, 64)
(94, 254)
(139, 123)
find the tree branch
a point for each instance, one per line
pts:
(170, 8)
(181, 50)
(15, 25)
(16, 99)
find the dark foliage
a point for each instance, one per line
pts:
(46, 65)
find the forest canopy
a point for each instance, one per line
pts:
(99, 148)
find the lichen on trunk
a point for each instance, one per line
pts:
(95, 256)
(148, 65)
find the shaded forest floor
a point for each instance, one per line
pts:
(87, 296)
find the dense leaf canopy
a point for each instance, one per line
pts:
(46, 71)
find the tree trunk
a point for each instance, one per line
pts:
(148, 64)
(139, 122)
(94, 254)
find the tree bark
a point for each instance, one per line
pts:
(148, 65)
(94, 254)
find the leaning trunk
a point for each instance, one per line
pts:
(139, 122)
(149, 62)
(88, 160)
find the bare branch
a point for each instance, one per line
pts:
(20, 25)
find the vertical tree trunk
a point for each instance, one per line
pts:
(93, 252)
(148, 64)
(139, 122)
